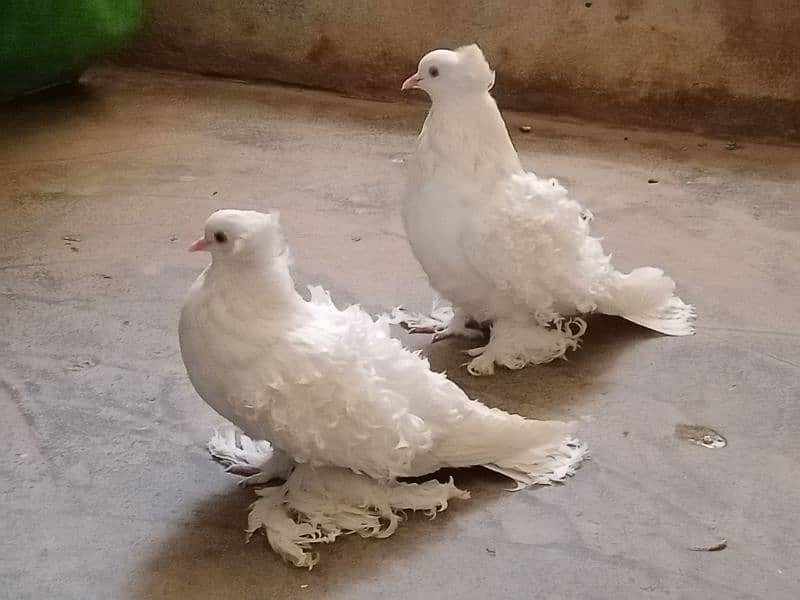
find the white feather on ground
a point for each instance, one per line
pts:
(332, 391)
(504, 245)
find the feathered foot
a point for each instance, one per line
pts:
(319, 505)
(514, 345)
(257, 461)
(441, 314)
(278, 467)
(457, 327)
(443, 322)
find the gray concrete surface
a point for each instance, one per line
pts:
(716, 65)
(105, 485)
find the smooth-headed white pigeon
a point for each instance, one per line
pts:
(503, 245)
(347, 410)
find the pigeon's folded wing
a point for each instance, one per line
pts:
(361, 400)
(531, 241)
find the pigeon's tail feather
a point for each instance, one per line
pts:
(674, 317)
(529, 452)
(319, 505)
(544, 469)
(645, 296)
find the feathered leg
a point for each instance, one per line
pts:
(256, 460)
(278, 467)
(319, 505)
(444, 321)
(514, 344)
(441, 314)
(457, 327)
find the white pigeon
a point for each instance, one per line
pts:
(503, 245)
(338, 399)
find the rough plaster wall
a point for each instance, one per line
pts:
(730, 65)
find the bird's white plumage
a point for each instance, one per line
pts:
(505, 245)
(331, 388)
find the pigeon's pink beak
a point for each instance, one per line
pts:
(199, 245)
(412, 83)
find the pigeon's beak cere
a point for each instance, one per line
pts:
(412, 83)
(199, 245)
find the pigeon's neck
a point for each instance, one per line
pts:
(467, 134)
(265, 285)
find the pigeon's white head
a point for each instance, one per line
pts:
(443, 73)
(241, 235)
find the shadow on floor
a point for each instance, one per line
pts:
(552, 391)
(30, 114)
(208, 558)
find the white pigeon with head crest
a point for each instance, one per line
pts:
(504, 245)
(333, 392)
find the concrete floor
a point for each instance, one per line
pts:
(107, 490)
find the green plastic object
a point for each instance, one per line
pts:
(44, 43)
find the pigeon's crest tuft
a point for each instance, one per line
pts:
(472, 58)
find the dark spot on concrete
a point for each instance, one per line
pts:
(588, 4)
(700, 435)
(12, 391)
(625, 433)
(652, 181)
(214, 193)
(577, 27)
(714, 548)
(83, 363)
(322, 51)
(73, 248)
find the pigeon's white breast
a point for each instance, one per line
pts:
(220, 362)
(435, 221)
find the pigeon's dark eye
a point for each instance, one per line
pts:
(433, 71)
(220, 237)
